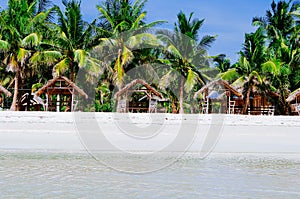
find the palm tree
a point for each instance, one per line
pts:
(126, 32)
(20, 37)
(221, 63)
(70, 41)
(278, 74)
(185, 54)
(282, 28)
(278, 20)
(247, 71)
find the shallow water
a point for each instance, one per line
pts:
(63, 175)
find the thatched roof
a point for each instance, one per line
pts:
(273, 94)
(218, 82)
(138, 81)
(293, 95)
(6, 92)
(69, 83)
(239, 86)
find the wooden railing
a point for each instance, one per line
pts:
(262, 110)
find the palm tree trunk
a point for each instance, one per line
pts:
(13, 106)
(181, 110)
(284, 106)
(72, 72)
(174, 110)
(247, 100)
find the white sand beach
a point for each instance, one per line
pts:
(48, 131)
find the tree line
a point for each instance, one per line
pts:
(39, 40)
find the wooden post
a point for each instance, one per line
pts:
(72, 100)
(58, 103)
(47, 102)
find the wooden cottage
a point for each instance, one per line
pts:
(260, 103)
(138, 96)
(294, 100)
(3, 92)
(60, 94)
(219, 97)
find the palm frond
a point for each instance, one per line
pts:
(137, 22)
(39, 18)
(164, 61)
(63, 41)
(4, 45)
(174, 51)
(119, 71)
(259, 21)
(206, 41)
(43, 5)
(22, 55)
(107, 16)
(126, 57)
(94, 70)
(229, 75)
(190, 80)
(255, 74)
(272, 67)
(87, 39)
(238, 83)
(138, 6)
(63, 24)
(31, 40)
(167, 37)
(167, 79)
(61, 67)
(80, 56)
(143, 39)
(75, 21)
(45, 57)
(153, 24)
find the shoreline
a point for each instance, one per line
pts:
(57, 132)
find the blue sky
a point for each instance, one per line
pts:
(229, 19)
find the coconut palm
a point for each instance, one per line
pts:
(278, 74)
(221, 63)
(185, 54)
(279, 21)
(282, 28)
(20, 37)
(69, 42)
(126, 32)
(247, 71)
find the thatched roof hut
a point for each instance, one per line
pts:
(220, 82)
(146, 101)
(60, 94)
(260, 101)
(218, 96)
(295, 95)
(60, 85)
(5, 91)
(138, 81)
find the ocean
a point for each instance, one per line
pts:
(79, 175)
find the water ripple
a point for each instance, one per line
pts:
(42, 175)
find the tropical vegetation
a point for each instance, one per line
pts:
(39, 41)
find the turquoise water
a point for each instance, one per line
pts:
(63, 175)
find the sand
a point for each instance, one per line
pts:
(73, 132)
